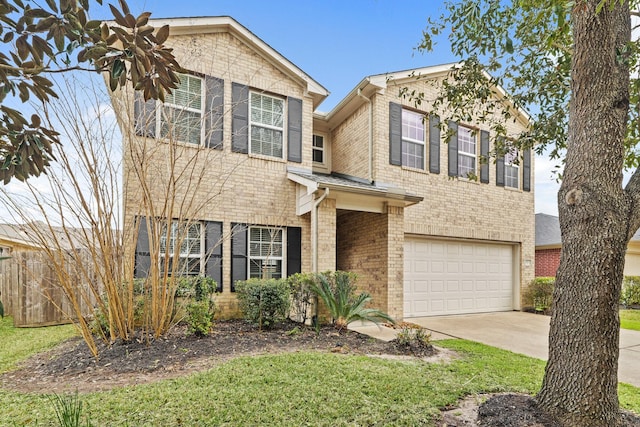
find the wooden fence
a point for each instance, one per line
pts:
(31, 292)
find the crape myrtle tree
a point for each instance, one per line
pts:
(569, 63)
(57, 36)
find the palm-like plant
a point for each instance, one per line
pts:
(337, 291)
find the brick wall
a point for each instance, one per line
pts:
(217, 185)
(547, 262)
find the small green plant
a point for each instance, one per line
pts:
(630, 294)
(69, 410)
(301, 295)
(409, 336)
(200, 317)
(263, 302)
(539, 293)
(338, 292)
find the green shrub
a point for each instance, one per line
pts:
(263, 302)
(197, 288)
(301, 295)
(630, 294)
(338, 292)
(200, 317)
(539, 293)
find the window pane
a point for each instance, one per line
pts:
(180, 125)
(412, 155)
(188, 93)
(412, 126)
(266, 141)
(466, 165)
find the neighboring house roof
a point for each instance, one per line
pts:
(548, 231)
(217, 24)
(37, 233)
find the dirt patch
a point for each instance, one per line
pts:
(70, 366)
(507, 410)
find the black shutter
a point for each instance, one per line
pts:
(500, 171)
(395, 133)
(239, 259)
(294, 250)
(240, 119)
(434, 144)
(484, 156)
(143, 256)
(213, 252)
(453, 148)
(526, 170)
(144, 115)
(294, 130)
(214, 112)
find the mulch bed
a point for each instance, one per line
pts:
(71, 367)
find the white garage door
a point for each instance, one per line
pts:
(456, 277)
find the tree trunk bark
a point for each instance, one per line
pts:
(581, 377)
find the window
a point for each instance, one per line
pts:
(511, 169)
(466, 152)
(266, 125)
(184, 242)
(318, 149)
(265, 252)
(181, 113)
(412, 139)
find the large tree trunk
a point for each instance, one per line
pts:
(581, 378)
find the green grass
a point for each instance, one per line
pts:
(304, 389)
(18, 343)
(630, 319)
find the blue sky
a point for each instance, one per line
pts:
(338, 43)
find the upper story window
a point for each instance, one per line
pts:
(412, 139)
(182, 242)
(318, 153)
(511, 169)
(265, 252)
(266, 126)
(467, 147)
(182, 111)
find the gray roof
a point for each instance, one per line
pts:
(38, 233)
(356, 185)
(548, 230)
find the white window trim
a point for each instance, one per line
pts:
(414, 141)
(474, 156)
(323, 150)
(284, 125)
(513, 155)
(282, 258)
(160, 111)
(162, 255)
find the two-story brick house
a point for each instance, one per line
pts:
(279, 187)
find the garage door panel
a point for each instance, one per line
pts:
(451, 277)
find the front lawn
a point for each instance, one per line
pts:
(630, 319)
(19, 343)
(303, 388)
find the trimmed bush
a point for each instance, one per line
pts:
(200, 317)
(539, 294)
(630, 294)
(263, 302)
(300, 285)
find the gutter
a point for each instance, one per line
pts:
(314, 231)
(370, 177)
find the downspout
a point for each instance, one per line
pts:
(314, 231)
(370, 177)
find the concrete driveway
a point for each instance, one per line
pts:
(524, 333)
